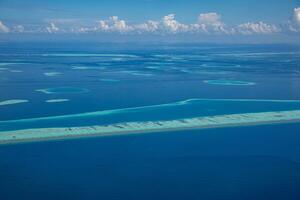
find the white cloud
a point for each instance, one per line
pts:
(3, 28)
(103, 25)
(52, 28)
(170, 24)
(294, 24)
(114, 24)
(167, 24)
(296, 16)
(207, 23)
(119, 25)
(211, 23)
(209, 18)
(257, 28)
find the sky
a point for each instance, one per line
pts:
(241, 20)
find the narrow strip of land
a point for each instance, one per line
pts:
(245, 119)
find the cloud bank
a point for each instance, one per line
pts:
(257, 28)
(207, 23)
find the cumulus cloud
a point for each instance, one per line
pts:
(167, 24)
(52, 28)
(296, 16)
(103, 25)
(211, 23)
(207, 23)
(209, 18)
(257, 28)
(119, 25)
(294, 24)
(172, 25)
(114, 24)
(3, 28)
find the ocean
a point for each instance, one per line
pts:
(46, 85)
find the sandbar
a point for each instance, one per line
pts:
(127, 128)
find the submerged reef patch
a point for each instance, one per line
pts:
(12, 101)
(86, 68)
(109, 80)
(89, 55)
(3, 68)
(213, 72)
(63, 90)
(228, 82)
(52, 73)
(11, 63)
(56, 100)
(135, 73)
(16, 71)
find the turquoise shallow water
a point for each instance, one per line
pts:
(177, 110)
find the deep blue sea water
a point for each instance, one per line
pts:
(258, 162)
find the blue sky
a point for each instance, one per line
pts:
(206, 17)
(233, 11)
